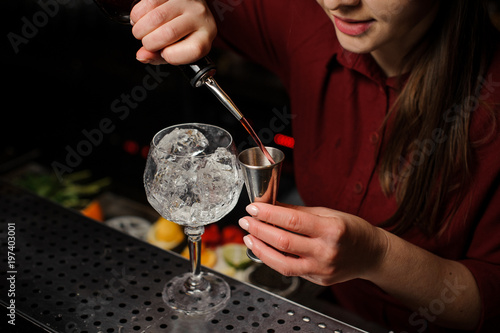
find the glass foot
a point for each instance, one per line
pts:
(253, 256)
(212, 298)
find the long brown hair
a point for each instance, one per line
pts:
(427, 159)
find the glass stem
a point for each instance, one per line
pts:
(195, 282)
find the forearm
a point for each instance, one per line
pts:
(442, 291)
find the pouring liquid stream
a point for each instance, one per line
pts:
(254, 136)
(228, 103)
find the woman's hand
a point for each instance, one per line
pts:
(331, 247)
(173, 31)
(326, 246)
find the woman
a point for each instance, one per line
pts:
(396, 156)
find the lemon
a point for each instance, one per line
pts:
(235, 255)
(168, 231)
(208, 256)
(165, 234)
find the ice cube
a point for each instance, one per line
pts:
(218, 176)
(221, 159)
(184, 142)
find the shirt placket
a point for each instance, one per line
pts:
(361, 177)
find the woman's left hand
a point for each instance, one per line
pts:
(329, 247)
(326, 246)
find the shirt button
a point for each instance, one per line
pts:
(374, 137)
(358, 187)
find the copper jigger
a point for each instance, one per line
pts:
(261, 177)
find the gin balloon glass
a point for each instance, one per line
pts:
(192, 177)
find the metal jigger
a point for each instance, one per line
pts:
(261, 177)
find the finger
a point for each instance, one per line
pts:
(143, 7)
(154, 20)
(167, 34)
(286, 265)
(189, 50)
(298, 221)
(146, 57)
(279, 239)
(319, 211)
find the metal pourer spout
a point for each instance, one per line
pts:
(223, 97)
(200, 74)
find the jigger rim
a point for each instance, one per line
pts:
(278, 158)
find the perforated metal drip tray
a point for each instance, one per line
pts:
(76, 275)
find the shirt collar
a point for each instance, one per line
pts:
(363, 64)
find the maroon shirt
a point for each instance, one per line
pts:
(339, 100)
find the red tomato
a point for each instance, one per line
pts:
(232, 234)
(211, 237)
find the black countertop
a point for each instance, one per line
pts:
(72, 274)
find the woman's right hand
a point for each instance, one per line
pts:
(173, 31)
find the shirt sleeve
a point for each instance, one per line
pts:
(482, 257)
(483, 260)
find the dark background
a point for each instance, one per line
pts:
(64, 63)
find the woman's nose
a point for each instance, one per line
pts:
(336, 4)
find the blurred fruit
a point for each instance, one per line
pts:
(135, 226)
(208, 256)
(165, 234)
(93, 210)
(235, 255)
(212, 236)
(232, 234)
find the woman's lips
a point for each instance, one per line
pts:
(352, 27)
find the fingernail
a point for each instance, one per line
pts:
(248, 242)
(243, 224)
(252, 210)
(131, 22)
(144, 61)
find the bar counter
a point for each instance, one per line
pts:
(72, 274)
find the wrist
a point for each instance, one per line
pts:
(380, 254)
